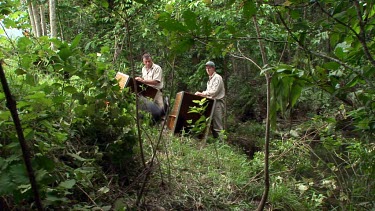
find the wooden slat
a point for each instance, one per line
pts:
(143, 89)
(122, 79)
(171, 121)
(177, 120)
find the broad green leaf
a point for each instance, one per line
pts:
(70, 89)
(26, 62)
(20, 71)
(89, 44)
(331, 65)
(5, 11)
(18, 174)
(339, 52)
(190, 19)
(105, 208)
(294, 133)
(169, 7)
(352, 82)
(229, 3)
(172, 25)
(36, 95)
(105, 49)
(103, 190)
(56, 42)
(295, 93)
(77, 157)
(9, 23)
(302, 37)
(80, 97)
(140, 1)
(68, 184)
(56, 85)
(334, 38)
(58, 99)
(183, 45)
(101, 96)
(343, 48)
(76, 41)
(249, 9)
(44, 162)
(206, 26)
(104, 3)
(40, 174)
(23, 44)
(341, 15)
(3, 164)
(57, 66)
(91, 110)
(369, 71)
(60, 137)
(31, 79)
(5, 115)
(6, 184)
(65, 53)
(69, 68)
(300, 26)
(295, 14)
(52, 198)
(29, 134)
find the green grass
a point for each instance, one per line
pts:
(204, 176)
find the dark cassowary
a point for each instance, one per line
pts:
(145, 104)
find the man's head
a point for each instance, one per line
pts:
(147, 60)
(210, 63)
(210, 67)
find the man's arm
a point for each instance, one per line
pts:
(148, 82)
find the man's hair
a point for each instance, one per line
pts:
(146, 56)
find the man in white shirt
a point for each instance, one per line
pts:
(152, 75)
(215, 90)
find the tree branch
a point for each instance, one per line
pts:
(263, 201)
(362, 33)
(303, 47)
(12, 106)
(361, 36)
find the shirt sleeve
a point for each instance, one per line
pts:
(212, 88)
(157, 74)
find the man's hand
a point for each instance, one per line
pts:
(199, 94)
(139, 79)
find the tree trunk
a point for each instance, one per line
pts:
(38, 26)
(12, 106)
(52, 18)
(43, 23)
(31, 15)
(267, 135)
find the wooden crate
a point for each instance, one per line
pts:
(179, 114)
(143, 89)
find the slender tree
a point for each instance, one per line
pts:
(43, 22)
(31, 16)
(267, 135)
(12, 106)
(52, 18)
(35, 12)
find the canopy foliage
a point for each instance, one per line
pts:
(82, 129)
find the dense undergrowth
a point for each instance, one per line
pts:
(314, 166)
(82, 133)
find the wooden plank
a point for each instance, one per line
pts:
(179, 115)
(143, 89)
(122, 79)
(171, 121)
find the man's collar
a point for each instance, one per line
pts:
(152, 67)
(213, 74)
